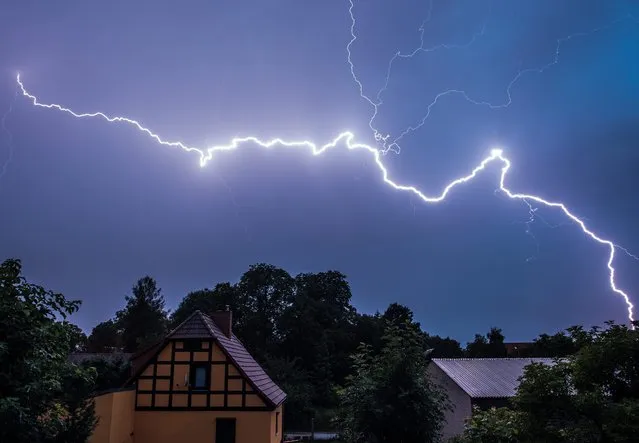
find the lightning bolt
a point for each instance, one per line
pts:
(383, 139)
(347, 139)
(375, 104)
(393, 144)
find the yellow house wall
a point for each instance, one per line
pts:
(276, 430)
(199, 426)
(122, 417)
(103, 410)
(115, 412)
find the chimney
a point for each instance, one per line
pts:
(224, 321)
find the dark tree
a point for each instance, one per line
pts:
(443, 347)
(105, 337)
(264, 291)
(478, 347)
(369, 329)
(111, 373)
(589, 397)
(78, 338)
(399, 315)
(208, 301)
(299, 390)
(43, 397)
(317, 328)
(557, 345)
(389, 398)
(491, 345)
(144, 319)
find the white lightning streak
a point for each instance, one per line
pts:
(347, 138)
(394, 144)
(382, 139)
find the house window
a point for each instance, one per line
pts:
(200, 376)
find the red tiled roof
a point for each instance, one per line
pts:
(200, 325)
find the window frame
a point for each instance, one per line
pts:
(207, 376)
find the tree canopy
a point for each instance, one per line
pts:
(144, 319)
(587, 397)
(389, 398)
(43, 397)
(361, 372)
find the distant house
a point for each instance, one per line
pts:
(482, 382)
(199, 384)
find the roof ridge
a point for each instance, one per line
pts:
(195, 316)
(172, 331)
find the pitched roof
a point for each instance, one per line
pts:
(200, 325)
(487, 377)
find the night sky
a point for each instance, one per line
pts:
(90, 206)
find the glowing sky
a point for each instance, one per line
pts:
(90, 208)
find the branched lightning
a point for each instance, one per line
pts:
(394, 143)
(383, 139)
(347, 139)
(389, 143)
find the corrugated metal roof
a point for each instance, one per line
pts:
(487, 377)
(200, 325)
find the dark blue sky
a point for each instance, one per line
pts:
(90, 206)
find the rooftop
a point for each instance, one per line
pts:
(200, 325)
(487, 377)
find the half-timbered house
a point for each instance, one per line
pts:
(199, 384)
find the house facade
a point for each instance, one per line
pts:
(482, 382)
(199, 384)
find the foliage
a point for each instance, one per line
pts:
(443, 347)
(316, 329)
(105, 337)
(144, 319)
(557, 345)
(43, 397)
(591, 396)
(208, 301)
(77, 337)
(389, 398)
(111, 373)
(491, 345)
(299, 390)
(264, 292)
(495, 425)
